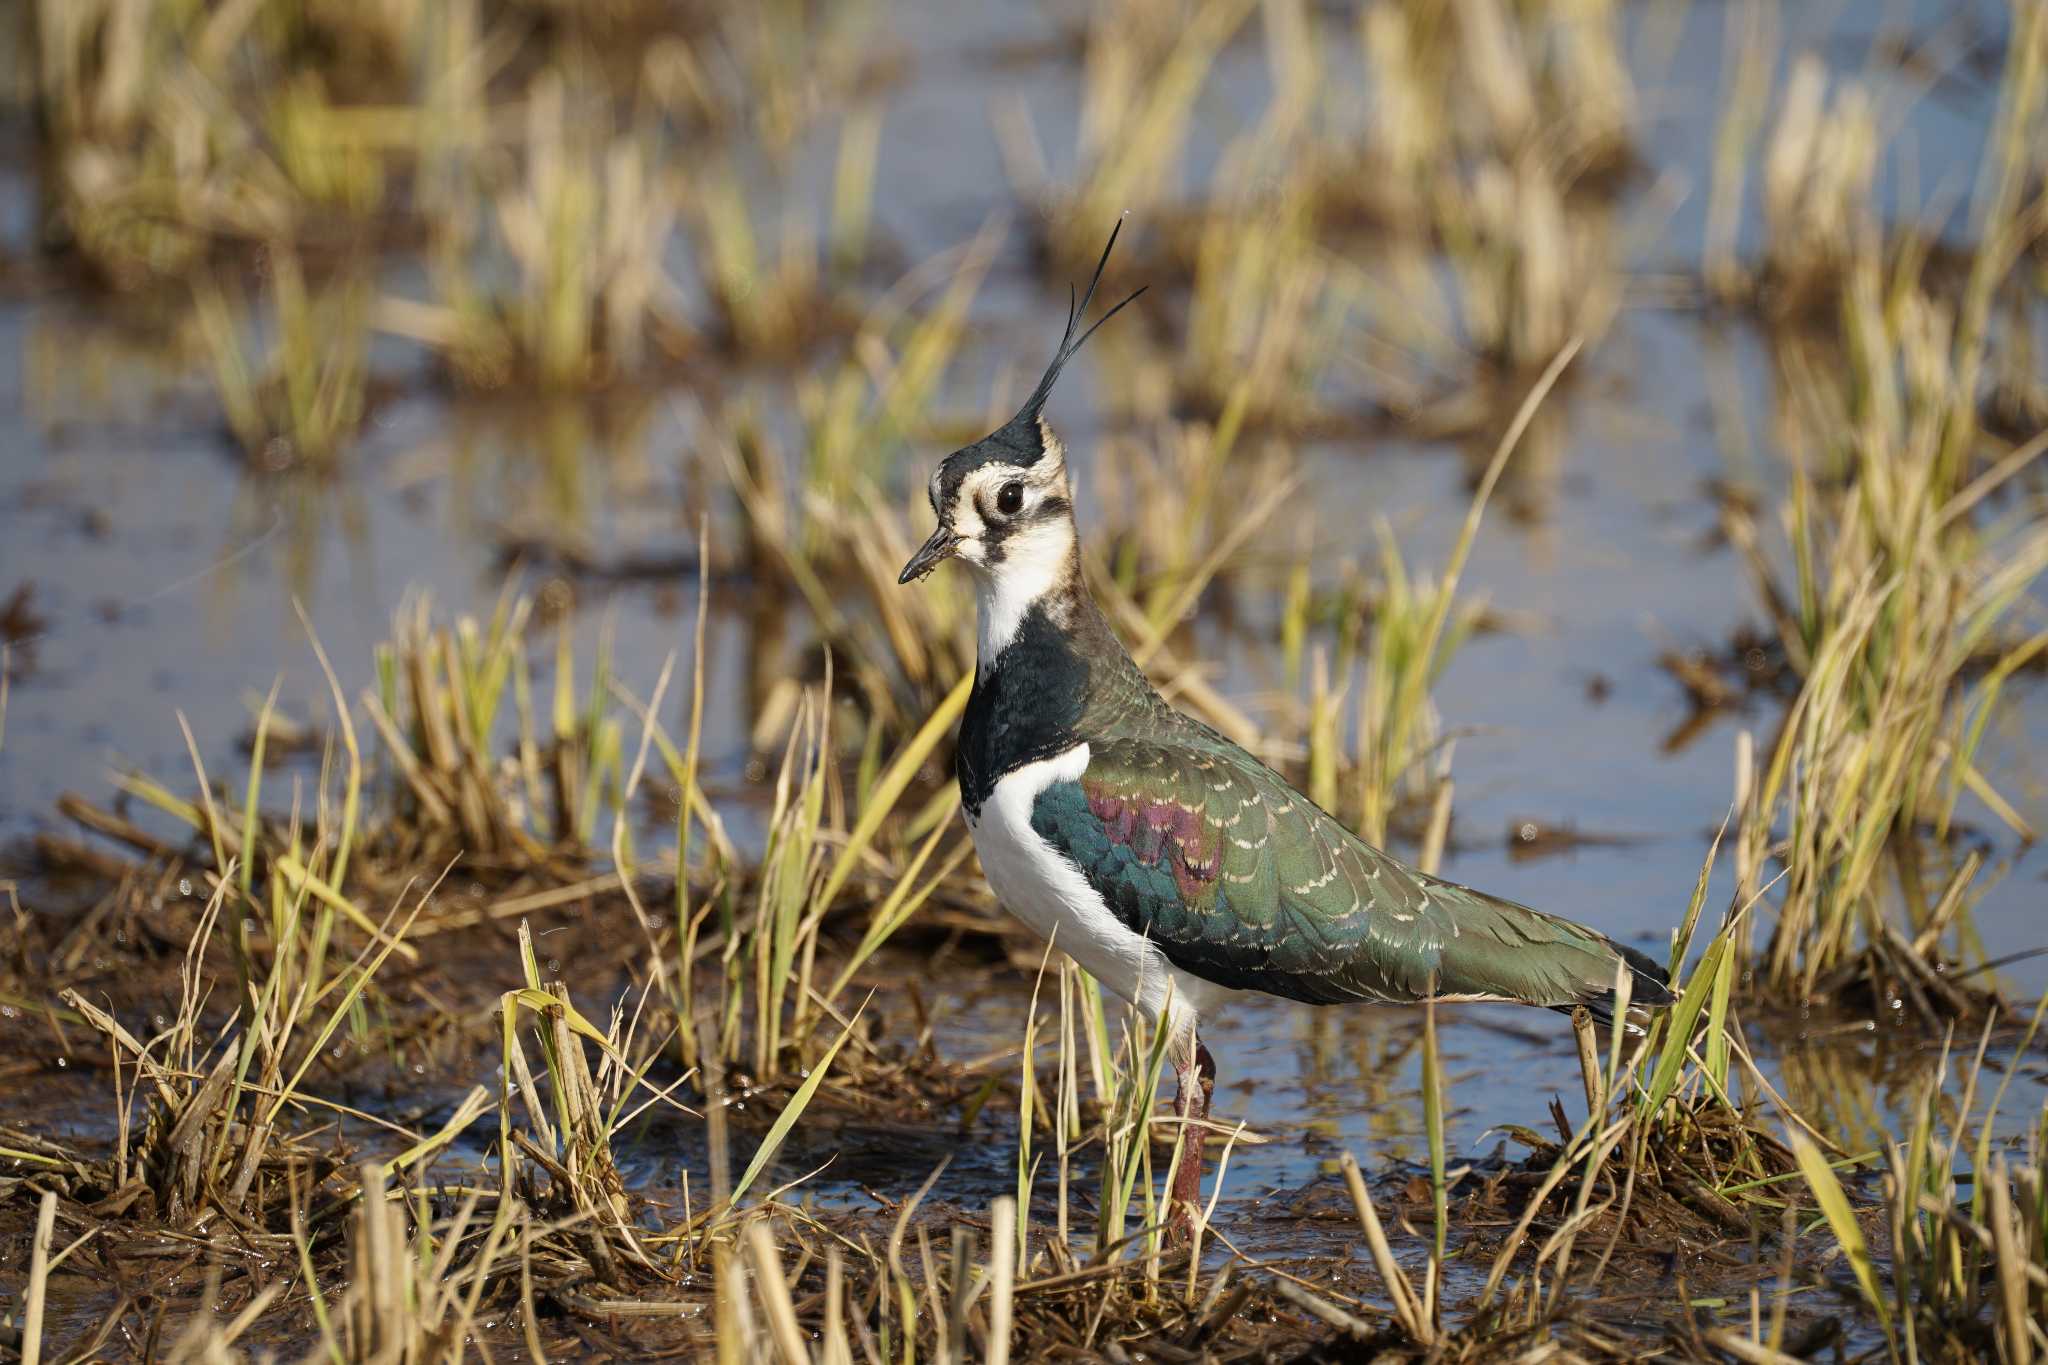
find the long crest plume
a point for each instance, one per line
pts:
(1070, 343)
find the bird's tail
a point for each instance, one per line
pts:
(1649, 988)
(1499, 950)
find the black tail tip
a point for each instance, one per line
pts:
(1651, 984)
(1649, 988)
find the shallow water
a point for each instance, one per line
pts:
(164, 573)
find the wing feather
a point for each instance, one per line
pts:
(1242, 881)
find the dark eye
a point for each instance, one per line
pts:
(1010, 499)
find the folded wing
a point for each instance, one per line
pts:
(1244, 882)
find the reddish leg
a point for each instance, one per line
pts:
(1191, 1105)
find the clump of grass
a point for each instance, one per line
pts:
(1127, 1072)
(484, 770)
(1533, 272)
(443, 701)
(860, 422)
(770, 994)
(1558, 72)
(1750, 54)
(169, 134)
(1120, 1270)
(560, 1168)
(1665, 1153)
(1175, 526)
(333, 156)
(1417, 628)
(1855, 787)
(584, 221)
(1146, 66)
(1903, 621)
(577, 1151)
(403, 1298)
(1511, 190)
(1269, 301)
(1816, 173)
(1266, 310)
(299, 399)
(1819, 164)
(774, 298)
(772, 302)
(211, 1139)
(1903, 613)
(1967, 1273)
(963, 1301)
(777, 70)
(136, 141)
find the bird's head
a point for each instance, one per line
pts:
(1003, 504)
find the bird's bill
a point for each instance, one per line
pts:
(930, 554)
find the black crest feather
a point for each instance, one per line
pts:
(1069, 343)
(1019, 441)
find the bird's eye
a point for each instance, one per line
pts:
(1010, 498)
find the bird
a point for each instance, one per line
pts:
(1167, 861)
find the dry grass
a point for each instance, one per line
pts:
(300, 398)
(1968, 1273)
(1905, 613)
(584, 217)
(155, 164)
(1512, 191)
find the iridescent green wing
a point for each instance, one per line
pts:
(1244, 882)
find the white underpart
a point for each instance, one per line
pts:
(1040, 886)
(1034, 562)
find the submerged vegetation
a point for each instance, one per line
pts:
(498, 1000)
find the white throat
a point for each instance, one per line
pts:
(1034, 565)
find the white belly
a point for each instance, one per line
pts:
(1037, 884)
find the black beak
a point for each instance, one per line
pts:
(928, 556)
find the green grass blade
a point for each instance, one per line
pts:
(793, 1111)
(1834, 1203)
(891, 786)
(1679, 1024)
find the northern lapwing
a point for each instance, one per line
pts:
(1167, 861)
